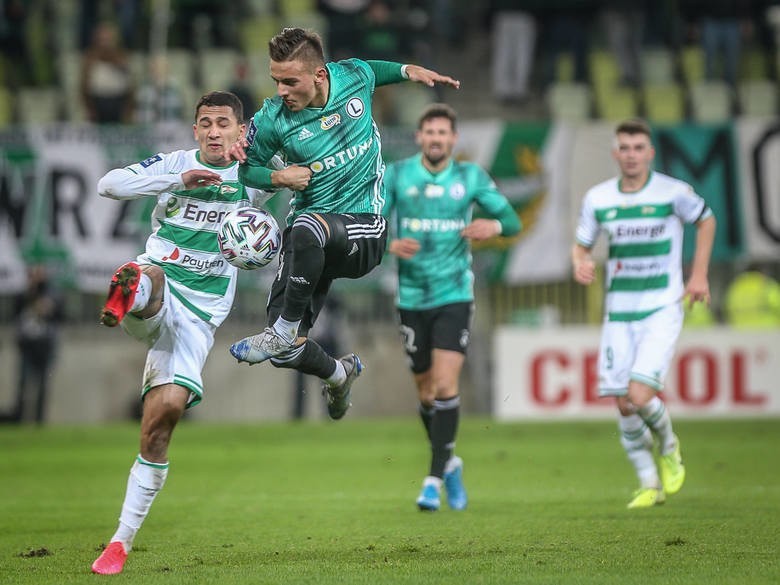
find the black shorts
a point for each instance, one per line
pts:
(354, 247)
(445, 327)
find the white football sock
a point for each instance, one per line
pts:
(287, 330)
(142, 293)
(637, 440)
(339, 375)
(145, 480)
(656, 417)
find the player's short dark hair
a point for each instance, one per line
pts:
(297, 44)
(439, 111)
(633, 126)
(221, 98)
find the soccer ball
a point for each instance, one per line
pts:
(249, 238)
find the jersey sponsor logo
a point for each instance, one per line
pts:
(415, 224)
(433, 191)
(341, 157)
(458, 191)
(326, 123)
(355, 107)
(304, 134)
(174, 255)
(250, 134)
(638, 267)
(193, 212)
(200, 264)
(640, 231)
(151, 160)
(172, 208)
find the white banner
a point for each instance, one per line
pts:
(759, 151)
(49, 201)
(552, 374)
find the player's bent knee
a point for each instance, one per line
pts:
(307, 232)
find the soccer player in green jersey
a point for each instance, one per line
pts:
(320, 123)
(430, 197)
(174, 295)
(643, 212)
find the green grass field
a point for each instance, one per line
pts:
(334, 503)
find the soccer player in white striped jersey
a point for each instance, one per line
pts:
(643, 212)
(175, 294)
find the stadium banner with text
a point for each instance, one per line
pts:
(759, 151)
(551, 374)
(50, 211)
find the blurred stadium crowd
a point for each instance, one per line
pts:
(142, 61)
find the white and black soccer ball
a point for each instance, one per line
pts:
(249, 238)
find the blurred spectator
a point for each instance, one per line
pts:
(198, 24)
(158, 99)
(514, 38)
(753, 300)
(624, 24)
(565, 28)
(343, 19)
(37, 312)
(721, 26)
(381, 39)
(106, 81)
(241, 87)
(13, 41)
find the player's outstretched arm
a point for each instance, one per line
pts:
(430, 77)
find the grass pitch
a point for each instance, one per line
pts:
(334, 503)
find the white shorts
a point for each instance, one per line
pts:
(638, 350)
(179, 343)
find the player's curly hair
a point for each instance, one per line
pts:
(297, 44)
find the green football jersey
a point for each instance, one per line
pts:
(339, 142)
(433, 209)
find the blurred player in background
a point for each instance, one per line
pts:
(643, 212)
(430, 196)
(320, 122)
(174, 295)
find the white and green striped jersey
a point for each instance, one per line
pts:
(184, 226)
(645, 230)
(339, 142)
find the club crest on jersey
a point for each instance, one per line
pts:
(151, 160)
(458, 191)
(226, 189)
(326, 123)
(172, 208)
(355, 107)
